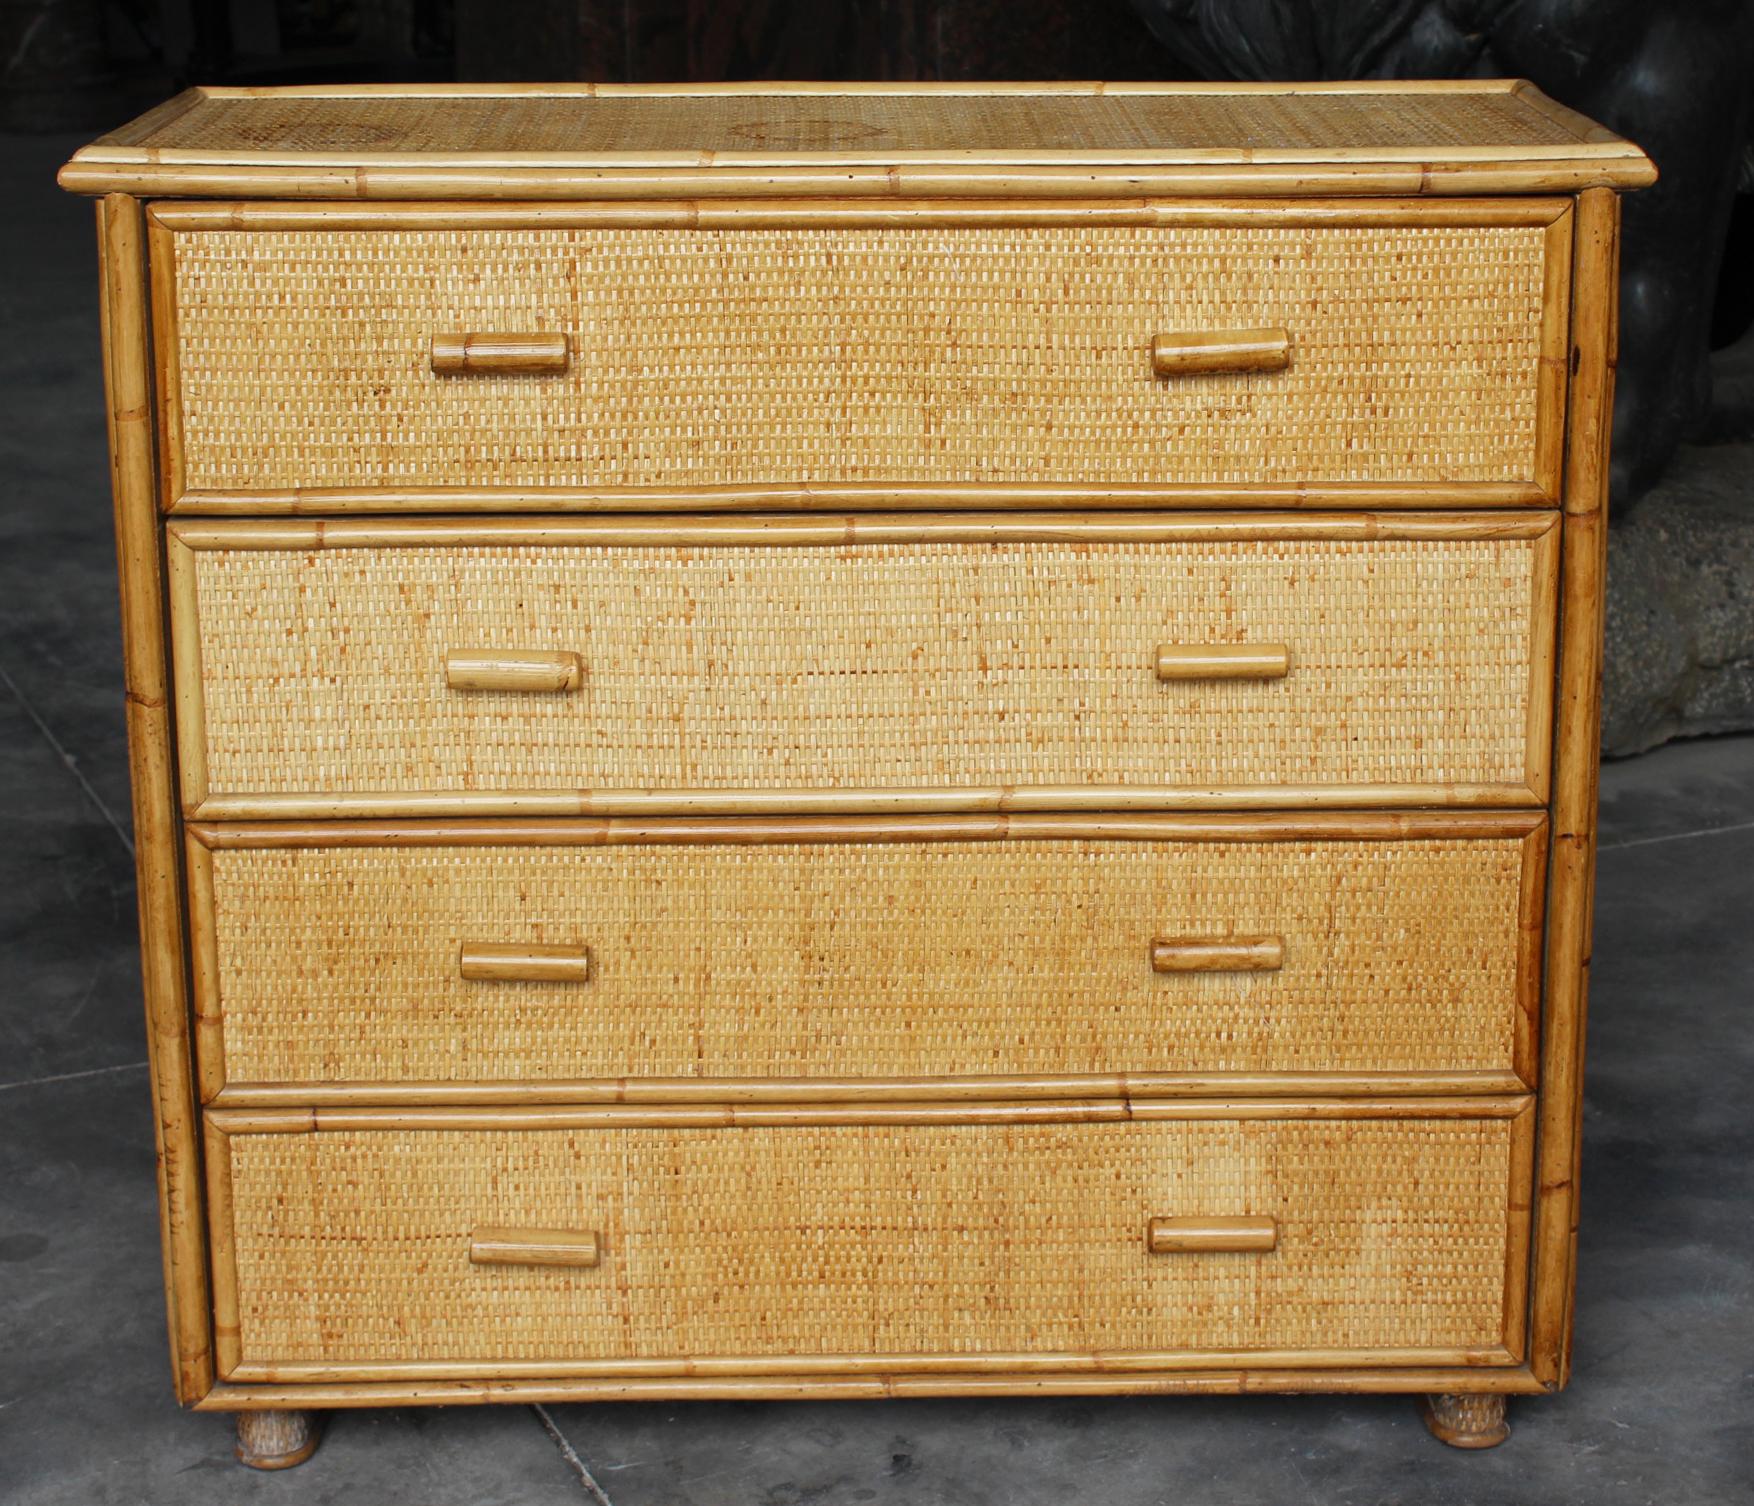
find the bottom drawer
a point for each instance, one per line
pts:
(343, 1242)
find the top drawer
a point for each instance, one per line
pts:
(899, 351)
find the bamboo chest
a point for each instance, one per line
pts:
(847, 740)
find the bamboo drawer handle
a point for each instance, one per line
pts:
(1230, 954)
(1211, 1236)
(1223, 661)
(575, 1247)
(483, 963)
(486, 355)
(510, 669)
(1203, 352)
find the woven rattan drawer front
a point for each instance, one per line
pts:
(352, 1244)
(872, 950)
(1424, 351)
(909, 674)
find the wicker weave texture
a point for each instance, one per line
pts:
(880, 959)
(854, 123)
(894, 665)
(831, 354)
(351, 1245)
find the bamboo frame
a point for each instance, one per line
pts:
(1595, 157)
(152, 759)
(730, 1370)
(1509, 1380)
(1571, 883)
(1125, 1088)
(716, 1115)
(780, 530)
(1382, 826)
(1553, 215)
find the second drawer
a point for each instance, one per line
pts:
(660, 959)
(581, 666)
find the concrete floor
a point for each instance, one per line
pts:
(1661, 1408)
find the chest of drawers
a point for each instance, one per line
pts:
(835, 740)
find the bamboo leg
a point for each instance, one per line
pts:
(1465, 1421)
(276, 1440)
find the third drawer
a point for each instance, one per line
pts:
(859, 957)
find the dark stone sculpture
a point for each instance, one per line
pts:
(1676, 76)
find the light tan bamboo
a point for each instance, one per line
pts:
(717, 802)
(1571, 884)
(204, 986)
(1126, 1087)
(1197, 1235)
(513, 669)
(1273, 826)
(1231, 954)
(524, 962)
(183, 595)
(166, 348)
(932, 213)
(471, 354)
(861, 528)
(1531, 942)
(1519, 1233)
(549, 1247)
(1554, 347)
(1510, 175)
(1192, 353)
(819, 497)
(304, 1121)
(222, 1221)
(128, 388)
(1223, 661)
(1543, 649)
(1509, 1379)
(739, 1368)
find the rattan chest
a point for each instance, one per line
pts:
(834, 740)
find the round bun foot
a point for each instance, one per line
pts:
(1465, 1421)
(276, 1440)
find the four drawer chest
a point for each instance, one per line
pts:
(862, 740)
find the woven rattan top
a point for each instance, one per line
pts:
(581, 140)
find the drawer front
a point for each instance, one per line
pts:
(351, 1247)
(1420, 351)
(920, 673)
(679, 954)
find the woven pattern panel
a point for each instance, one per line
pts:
(843, 354)
(853, 123)
(352, 1244)
(893, 665)
(885, 959)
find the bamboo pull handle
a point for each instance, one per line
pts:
(1203, 352)
(508, 669)
(1223, 661)
(1210, 1236)
(1230, 954)
(476, 355)
(483, 963)
(576, 1247)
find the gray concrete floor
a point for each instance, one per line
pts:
(1661, 1408)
